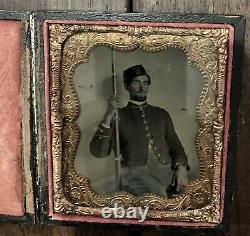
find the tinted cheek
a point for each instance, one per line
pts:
(134, 88)
(131, 90)
(145, 87)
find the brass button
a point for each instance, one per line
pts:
(142, 115)
(146, 128)
(100, 137)
(145, 122)
(155, 148)
(151, 141)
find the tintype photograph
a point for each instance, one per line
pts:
(138, 116)
(156, 95)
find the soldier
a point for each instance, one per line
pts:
(148, 141)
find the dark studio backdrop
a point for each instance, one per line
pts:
(240, 215)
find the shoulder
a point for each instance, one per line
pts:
(157, 109)
(123, 109)
(160, 111)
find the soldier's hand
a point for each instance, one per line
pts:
(113, 104)
(181, 177)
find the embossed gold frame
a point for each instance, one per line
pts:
(207, 49)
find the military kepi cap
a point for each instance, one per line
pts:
(133, 72)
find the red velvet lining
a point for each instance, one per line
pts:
(11, 184)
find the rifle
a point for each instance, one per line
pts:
(117, 153)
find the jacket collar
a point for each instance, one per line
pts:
(133, 105)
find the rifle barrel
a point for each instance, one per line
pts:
(117, 138)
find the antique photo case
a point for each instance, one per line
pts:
(193, 64)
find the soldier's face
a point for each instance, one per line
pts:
(138, 88)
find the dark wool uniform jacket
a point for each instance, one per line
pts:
(140, 126)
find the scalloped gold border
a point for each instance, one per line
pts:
(206, 49)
